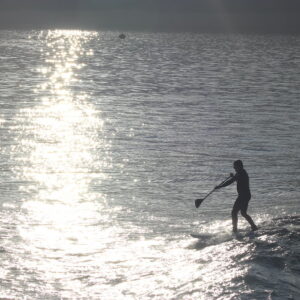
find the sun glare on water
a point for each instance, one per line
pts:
(63, 152)
(74, 240)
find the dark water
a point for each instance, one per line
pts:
(105, 145)
(267, 259)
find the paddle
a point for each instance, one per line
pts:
(199, 201)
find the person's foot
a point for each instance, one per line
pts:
(254, 228)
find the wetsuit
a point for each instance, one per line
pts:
(244, 196)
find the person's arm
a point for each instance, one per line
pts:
(228, 182)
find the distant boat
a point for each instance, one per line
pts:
(122, 36)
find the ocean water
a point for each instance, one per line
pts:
(105, 145)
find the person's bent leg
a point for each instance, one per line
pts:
(248, 218)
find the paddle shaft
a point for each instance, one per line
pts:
(199, 201)
(215, 188)
(208, 194)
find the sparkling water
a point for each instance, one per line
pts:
(107, 142)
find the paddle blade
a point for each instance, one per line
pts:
(198, 202)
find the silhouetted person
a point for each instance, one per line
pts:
(241, 204)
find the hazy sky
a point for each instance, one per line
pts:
(278, 16)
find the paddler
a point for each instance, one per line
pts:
(241, 203)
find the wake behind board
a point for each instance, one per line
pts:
(206, 239)
(241, 235)
(201, 236)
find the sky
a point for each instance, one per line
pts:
(259, 16)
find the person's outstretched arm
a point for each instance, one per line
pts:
(228, 182)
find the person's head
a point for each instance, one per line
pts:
(238, 165)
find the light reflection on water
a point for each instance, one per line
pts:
(60, 141)
(70, 241)
(103, 159)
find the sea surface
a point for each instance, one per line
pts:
(106, 144)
